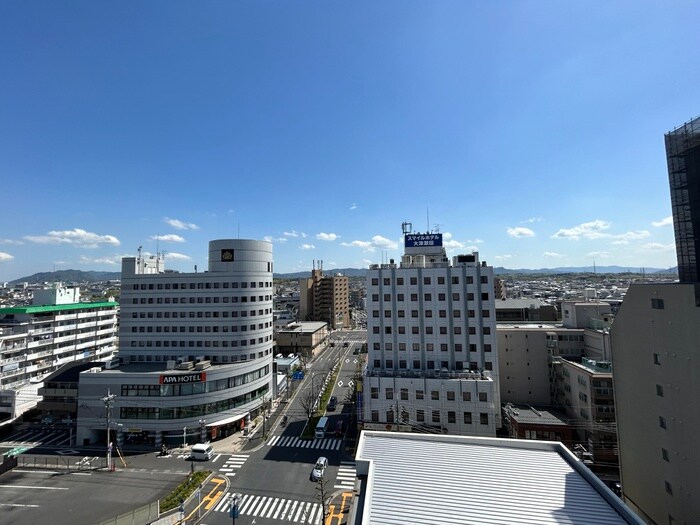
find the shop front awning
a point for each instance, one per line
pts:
(228, 420)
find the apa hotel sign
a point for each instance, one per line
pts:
(178, 379)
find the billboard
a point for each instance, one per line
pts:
(414, 240)
(171, 379)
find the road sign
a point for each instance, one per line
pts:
(233, 511)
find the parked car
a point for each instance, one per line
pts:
(319, 469)
(346, 344)
(339, 428)
(332, 403)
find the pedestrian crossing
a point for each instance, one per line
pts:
(291, 441)
(347, 472)
(232, 464)
(35, 438)
(305, 512)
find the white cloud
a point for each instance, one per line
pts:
(633, 236)
(503, 257)
(180, 225)
(294, 233)
(353, 206)
(10, 241)
(383, 242)
(269, 238)
(598, 255)
(76, 237)
(476, 241)
(587, 230)
(365, 245)
(531, 220)
(171, 237)
(177, 256)
(367, 261)
(472, 248)
(553, 255)
(666, 221)
(452, 244)
(658, 247)
(520, 231)
(6, 257)
(307, 247)
(327, 236)
(113, 260)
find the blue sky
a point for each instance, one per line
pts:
(531, 131)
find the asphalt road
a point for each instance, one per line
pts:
(271, 475)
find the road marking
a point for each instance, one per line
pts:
(216, 458)
(30, 487)
(69, 451)
(17, 505)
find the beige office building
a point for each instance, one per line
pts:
(655, 342)
(325, 298)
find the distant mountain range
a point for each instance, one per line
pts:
(79, 276)
(68, 276)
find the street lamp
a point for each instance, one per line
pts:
(184, 437)
(233, 511)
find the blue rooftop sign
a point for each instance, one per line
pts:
(414, 240)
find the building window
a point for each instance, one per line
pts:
(467, 418)
(387, 281)
(484, 279)
(414, 297)
(404, 394)
(426, 280)
(435, 395)
(483, 397)
(450, 395)
(669, 488)
(657, 359)
(662, 422)
(390, 393)
(375, 416)
(487, 347)
(436, 416)
(441, 297)
(419, 394)
(375, 281)
(374, 392)
(484, 418)
(399, 297)
(420, 416)
(428, 313)
(451, 416)
(387, 297)
(441, 280)
(414, 281)
(416, 364)
(429, 330)
(657, 304)
(659, 390)
(427, 297)
(399, 281)
(664, 454)
(466, 396)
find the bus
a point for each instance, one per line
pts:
(322, 427)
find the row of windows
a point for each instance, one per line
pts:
(200, 315)
(435, 416)
(450, 395)
(429, 347)
(189, 389)
(429, 313)
(430, 365)
(184, 412)
(200, 286)
(233, 358)
(201, 300)
(413, 281)
(199, 328)
(428, 330)
(199, 344)
(427, 297)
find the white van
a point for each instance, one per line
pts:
(202, 452)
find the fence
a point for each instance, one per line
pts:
(141, 516)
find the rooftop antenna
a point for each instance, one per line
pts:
(427, 216)
(157, 245)
(406, 227)
(239, 229)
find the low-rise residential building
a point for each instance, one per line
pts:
(304, 339)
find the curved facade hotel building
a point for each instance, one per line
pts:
(195, 350)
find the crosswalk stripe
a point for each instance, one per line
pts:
(223, 503)
(245, 503)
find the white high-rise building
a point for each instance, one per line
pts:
(195, 349)
(432, 355)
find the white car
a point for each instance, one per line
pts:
(319, 469)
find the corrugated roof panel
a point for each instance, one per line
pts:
(451, 482)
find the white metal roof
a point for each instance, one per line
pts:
(480, 481)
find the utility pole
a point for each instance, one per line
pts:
(108, 400)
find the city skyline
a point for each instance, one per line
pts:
(533, 133)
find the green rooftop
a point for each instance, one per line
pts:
(56, 308)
